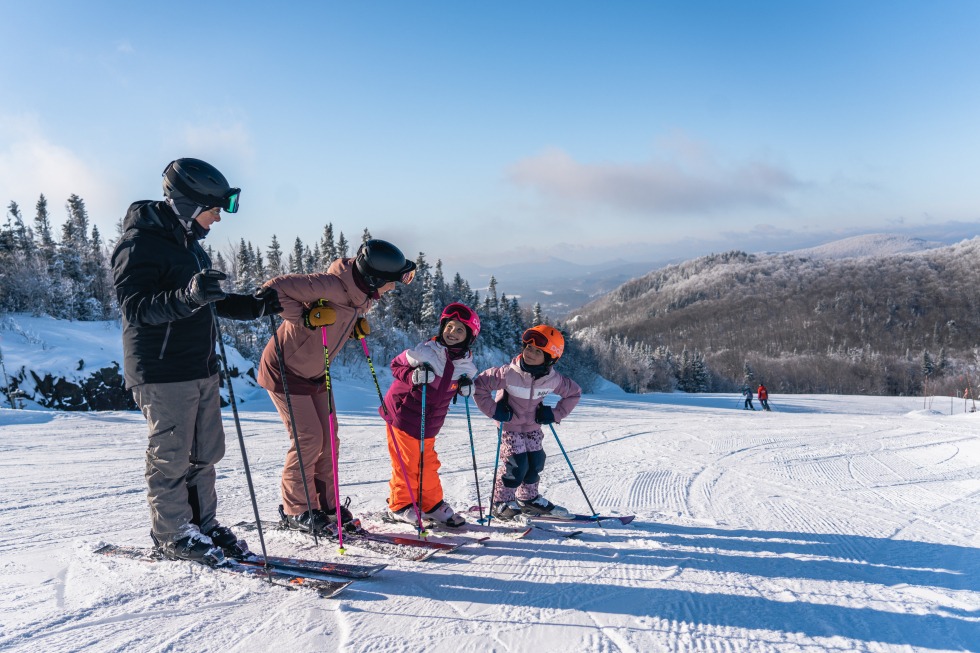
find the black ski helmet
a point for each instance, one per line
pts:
(201, 183)
(380, 262)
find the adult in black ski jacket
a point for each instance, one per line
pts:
(166, 290)
(167, 336)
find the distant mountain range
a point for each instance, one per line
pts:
(562, 286)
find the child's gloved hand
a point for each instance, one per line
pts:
(464, 387)
(503, 412)
(544, 415)
(361, 328)
(319, 315)
(423, 375)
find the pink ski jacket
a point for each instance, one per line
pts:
(525, 394)
(303, 347)
(403, 402)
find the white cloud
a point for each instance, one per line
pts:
(30, 164)
(684, 179)
(226, 141)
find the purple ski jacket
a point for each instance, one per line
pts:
(525, 394)
(404, 400)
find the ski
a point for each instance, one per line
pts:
(515, 532)
(565, 534)
(404, 547)
(585, 518)
(344, 570)
(323, 587)
(575, 518)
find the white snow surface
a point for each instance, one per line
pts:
(833, 523)
(868, 245)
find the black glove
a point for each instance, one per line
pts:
(544, 415)
(205, 287)
(265, 301)
(464, 387)
(503, 412)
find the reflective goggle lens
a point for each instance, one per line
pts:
(231, 200)
(460, 312)
(408, 277)
(534, 338)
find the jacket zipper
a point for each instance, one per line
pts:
(166, 337)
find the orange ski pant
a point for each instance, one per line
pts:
(401, 493)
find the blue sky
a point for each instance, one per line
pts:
(500, 132)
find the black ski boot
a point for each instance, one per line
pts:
(350, 522)
(311, 521)
(505, 510)
(193, 546)
(223, 537)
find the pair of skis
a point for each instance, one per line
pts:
(289, 573)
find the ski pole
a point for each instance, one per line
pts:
(594, 513)
(241, 440)
(496, 466)
(476, 476)
(331, 415)
(398, 452)
(425, 367)
(292, 425)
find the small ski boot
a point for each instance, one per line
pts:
(506, 510)
(404, 515)
(190, 544)
(443, 513)
(539, 506)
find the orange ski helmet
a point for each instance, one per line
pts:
(545, 338)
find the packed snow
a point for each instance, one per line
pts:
(833, 523)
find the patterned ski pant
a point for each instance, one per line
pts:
(521, 461)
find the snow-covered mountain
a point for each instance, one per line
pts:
(868, 245)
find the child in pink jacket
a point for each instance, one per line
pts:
(519, 406)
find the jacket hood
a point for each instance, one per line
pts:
(147, 214)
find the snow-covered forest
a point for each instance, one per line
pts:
(902, 323)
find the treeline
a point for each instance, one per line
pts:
(69, 277)
(889, 325)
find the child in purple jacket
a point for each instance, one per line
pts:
(444, 365)
(519, 406)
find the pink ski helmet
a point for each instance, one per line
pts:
(463, 313)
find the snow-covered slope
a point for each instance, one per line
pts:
(834, 523)
(867, 245)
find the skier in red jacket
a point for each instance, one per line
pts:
(763, 396)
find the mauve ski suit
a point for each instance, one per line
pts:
(521, 455)
(305, 366)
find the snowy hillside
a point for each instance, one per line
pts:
(835, 523)
(867, 245)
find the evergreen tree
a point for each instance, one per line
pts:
(366, 236)
(42, 231)
(537, 317)
(328, 249)
(342, 247)
(275, 267)
(297, 260)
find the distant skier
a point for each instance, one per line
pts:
(444, 365)
(763, 396)
(521, 387)
(747, 393)
(166, 291)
